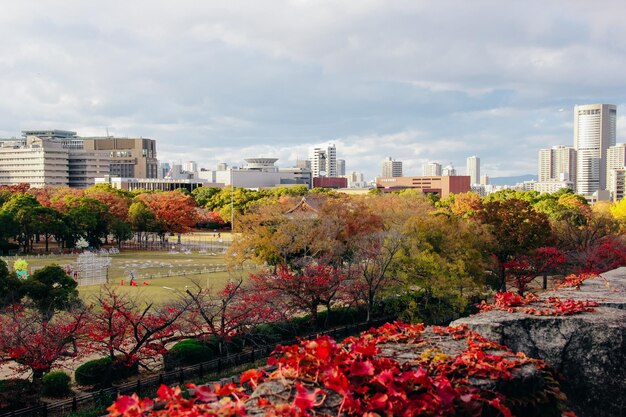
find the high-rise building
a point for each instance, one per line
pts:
(557, 164)
(341, 167)
(449, 171)
(324, 161)
(431, 169)
(594, 133)
(391, 168)
(615, 160)
(130, 157)
(473, 169)
(52, 159)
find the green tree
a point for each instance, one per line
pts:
(10, 286)
(121, 231)
(51, 289)
(48, 222)
(21, 207)
(140, 218)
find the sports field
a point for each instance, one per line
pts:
(159, 276)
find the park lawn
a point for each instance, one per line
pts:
(163, 290)
(158, 269)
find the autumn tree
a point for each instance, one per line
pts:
(174, 212)
(122, 327)
(225, 313)
(36, 342)
(442, 261)
(525, 268)
(517, 228)
(306, 290)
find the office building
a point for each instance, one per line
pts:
(391, 168)
(615, 160)
(431, 169)
(55, 158)
(130, 157)
(341, 167)
(324, 161)
(473, 169)
(442, 186)
(259, 173)
(594, 133)
(557, 164)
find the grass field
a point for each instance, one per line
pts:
(167, 274)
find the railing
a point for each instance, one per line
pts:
(178, 376)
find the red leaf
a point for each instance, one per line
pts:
(362, 368)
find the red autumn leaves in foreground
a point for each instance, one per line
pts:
(531, 304)
(354, 377)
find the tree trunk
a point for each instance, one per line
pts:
(502, 278)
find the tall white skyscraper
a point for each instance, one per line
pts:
(391, 168)
(431, 169)
(473, 169)
(557, 164)
(594, 133)
(324, 161)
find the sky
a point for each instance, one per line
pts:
(220, 81)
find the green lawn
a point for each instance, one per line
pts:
(166, 274)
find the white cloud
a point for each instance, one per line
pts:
(415, 80)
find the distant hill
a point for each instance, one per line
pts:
(511, 180)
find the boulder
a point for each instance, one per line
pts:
(588, 349)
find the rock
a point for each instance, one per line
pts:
(588, 349)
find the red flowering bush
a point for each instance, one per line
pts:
(323, 377)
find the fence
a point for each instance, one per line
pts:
(178, 376)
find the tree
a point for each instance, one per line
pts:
(174, 212)
(224, 314)
(121, 327)
(10, 286)
(50, 290)
(36, 342)
(116, 203)
(305, 291)
(121, 231)
(21, 208)
(525, 268)
(49, 223)
(517, 228)
(141, 218)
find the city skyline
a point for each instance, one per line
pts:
(220, 82)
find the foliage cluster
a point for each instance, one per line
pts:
(321, 377)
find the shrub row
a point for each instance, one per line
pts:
(103, 372)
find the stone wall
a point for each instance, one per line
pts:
(587, 349)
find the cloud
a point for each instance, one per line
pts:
(415, 80)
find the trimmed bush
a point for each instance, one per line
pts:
(56, 384)
(187, 352)
(103, 372)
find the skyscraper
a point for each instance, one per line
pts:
(431, 169)
(324, 161)
(391, 168)
(473, 169)
(341, 167)
(594, 133)
(557, 163)
(615, 164)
